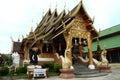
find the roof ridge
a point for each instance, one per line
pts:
(111, 27)
(110, 30)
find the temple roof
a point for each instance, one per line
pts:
(109, 31)
(53, 24)
(70, 16)
(109, 38)
(40, 26)
(16, 46)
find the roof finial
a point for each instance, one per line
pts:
(31, 29)
(12, 39)
(56, 5)
(19, 38)
(93, 19)
(37, 24)
(22, 37)
(65, 5)
(81, 1)
(50, 5)
(43, 13)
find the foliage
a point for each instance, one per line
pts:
(52, 66)
(20, 70)
(4, 71)
(9, 59)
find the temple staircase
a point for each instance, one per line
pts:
(82, 71)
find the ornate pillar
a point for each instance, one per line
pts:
(67, 71)
(68, 54)
(91, 65)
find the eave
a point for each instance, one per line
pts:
(62, 14)
(54, 24)
(40, 26)
(43, 19)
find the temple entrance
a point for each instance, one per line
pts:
(77, 45)
(60, 45)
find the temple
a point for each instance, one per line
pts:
(60, 33)
(62, 37)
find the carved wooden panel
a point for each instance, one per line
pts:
(78, 29)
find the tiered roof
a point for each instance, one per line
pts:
(53, 24)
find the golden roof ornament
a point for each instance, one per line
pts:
(56, 5)
(65, 6)
(43, 13)
(31, 29)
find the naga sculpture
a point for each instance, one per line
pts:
(104, 61)
(67, 59)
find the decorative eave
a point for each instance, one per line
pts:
(40, 27)
(86, 17)
(51, 21)
(69, 18)
(42, 36)
(54, 24)
(51, 17)
(62, 14)
(74, 11)
(51, 27)
(43, 19)
(65, 27)
(43, 33)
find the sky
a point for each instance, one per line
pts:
(18, 16)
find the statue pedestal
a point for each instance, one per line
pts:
(67, 73)
(105, 69)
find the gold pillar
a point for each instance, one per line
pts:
(67, 53)
(91, 65)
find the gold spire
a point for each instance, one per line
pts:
(65, 6)
(22, 37)
(93, 19)
(56, 5)
(43, 13)
(12, 39)
(50, 6)
(31, 29)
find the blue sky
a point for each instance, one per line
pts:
(16, 16)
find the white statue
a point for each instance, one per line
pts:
(103, 56)
(66, 61)
(16, 60)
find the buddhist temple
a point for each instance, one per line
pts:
(62, 37)
(58, 33)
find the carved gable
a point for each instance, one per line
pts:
(78, 28)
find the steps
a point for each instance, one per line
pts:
(82, 71)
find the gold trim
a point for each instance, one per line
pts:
(41, 37)
(76, 10)
(59, 18)
(68, 26)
